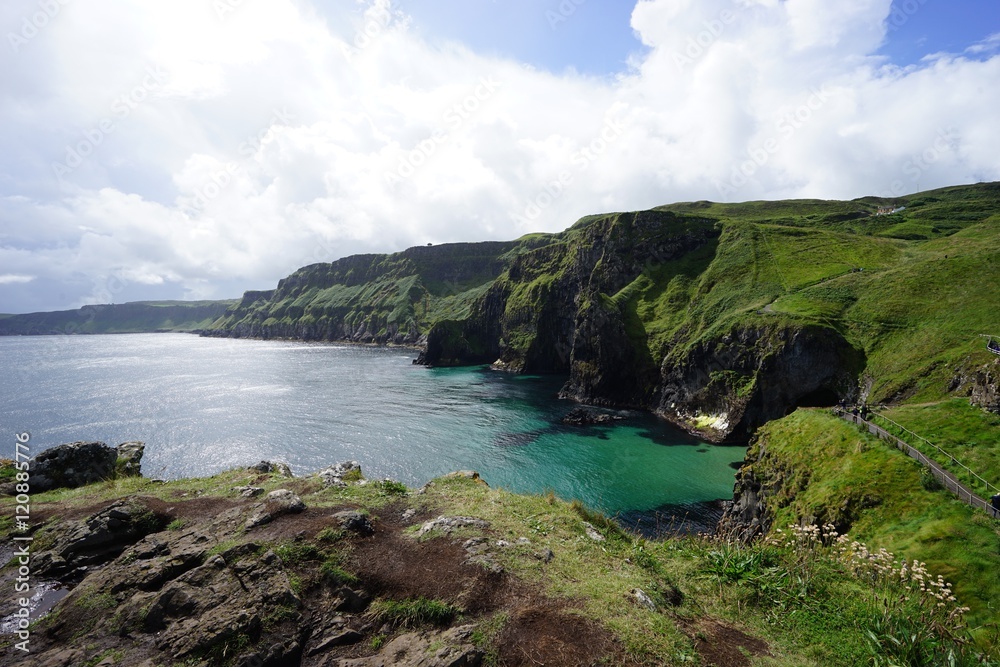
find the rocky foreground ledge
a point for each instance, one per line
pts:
(257, 568)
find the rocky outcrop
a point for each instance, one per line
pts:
(725, 388)
(983, 386)
(588, 417)
(80, 463)
(449, 648)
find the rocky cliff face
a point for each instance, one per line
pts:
(726, 387)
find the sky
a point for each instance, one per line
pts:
(199, 148)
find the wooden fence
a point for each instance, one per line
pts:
(947, 479)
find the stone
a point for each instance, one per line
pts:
(588, 417)
(129, 461)
(72, 465)
(643, 600)
(449, 648)
(408, 514)
(447, 524)
(277, 503)
(249, 491)
(97, 539)
(272, 468)
(355, 522)
(334, 475)
(592, 532)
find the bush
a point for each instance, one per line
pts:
(412, 613)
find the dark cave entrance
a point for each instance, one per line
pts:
(824, 397)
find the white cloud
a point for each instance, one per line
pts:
(12, 279)
(275, 136)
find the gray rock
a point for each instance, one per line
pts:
(592, 532)
(355, 521)
(249, 491)
(450, 648)
(643, 600)
(129, 461)
(334, 475)
(95, 540)
(447, 524)
(277, 503)
(72, 465)
(272, 468)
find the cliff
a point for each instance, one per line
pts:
(136, 317)
(719, 317)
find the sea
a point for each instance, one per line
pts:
(204, 405)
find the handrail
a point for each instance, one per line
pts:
(951, 457)
(946, 478)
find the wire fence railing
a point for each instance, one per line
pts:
(945, 477)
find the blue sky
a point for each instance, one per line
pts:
(595, 37)
(196, 149)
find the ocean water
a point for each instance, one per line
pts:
(203, 405)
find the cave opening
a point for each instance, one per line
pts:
(824, 397)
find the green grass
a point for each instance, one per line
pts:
(968, 433)
(840, 475)
(412, 613)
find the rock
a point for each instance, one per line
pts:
(592, 532)
(545, 556)
(248, 491)
(466, 474)
(72, 465)
(277, 503)
(130, 458)
(334, 475)
(96, 540)
(587, 417)
(272, 468)
(450, 648)
(355, 521)
(408, 514)
(642, 599)
(446, 524)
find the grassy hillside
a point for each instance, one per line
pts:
(135, 317)
(530, 578)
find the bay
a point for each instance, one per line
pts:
(203, 405)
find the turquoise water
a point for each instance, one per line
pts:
(203, 405)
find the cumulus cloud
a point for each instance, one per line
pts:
(194, 149)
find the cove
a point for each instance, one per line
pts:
(203, 405)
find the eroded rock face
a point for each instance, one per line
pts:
(96, 539)
(984, 386)
(725, 389)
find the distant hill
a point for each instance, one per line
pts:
(135, 317)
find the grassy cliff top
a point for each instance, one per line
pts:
(534, 577)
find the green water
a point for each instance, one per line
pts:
(204, 405)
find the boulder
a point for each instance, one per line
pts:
(587, 417)
(130, 458)
(72, 465)
(272, 468)
(277, 503)
(355, 522)
(334, 475)
(446, 524)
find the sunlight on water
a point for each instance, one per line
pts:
(203, 405)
